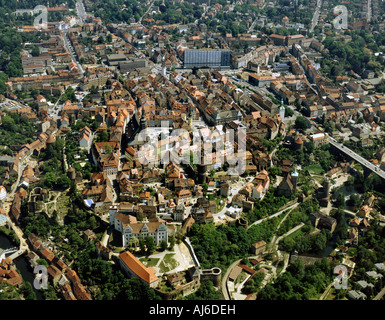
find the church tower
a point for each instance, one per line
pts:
(294, 178)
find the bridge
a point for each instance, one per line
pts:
(350, 153)
(7, 251)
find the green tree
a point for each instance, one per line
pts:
(27, 291)
(8, 123)
(69, 94)
(35, 51)
(354, 200)
(104, 136)
(301, 123)
(172, 243)
(163, 245)
(381, 86)
(150, 245)
(50, 179)
(63, 181)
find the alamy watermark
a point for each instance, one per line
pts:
(41, 277)
(341, 281)
(341, 21)
(41, 20)
(199, 147)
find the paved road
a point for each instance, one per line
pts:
(369, 13)
(225, 278)
(314, 21)
(82, 15)
(81, 11)
(148, 10)
(326, 292)
(68, 49)
(54, 111)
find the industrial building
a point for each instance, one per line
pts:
(206, 58)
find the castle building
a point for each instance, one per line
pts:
(129, 227)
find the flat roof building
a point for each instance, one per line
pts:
(206, 58)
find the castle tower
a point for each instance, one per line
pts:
(326, 187)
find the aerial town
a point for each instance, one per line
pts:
(192, 150)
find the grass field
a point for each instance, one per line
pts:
(168, 263)
(149, 262)
(315, 169)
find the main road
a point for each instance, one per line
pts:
(369, 13)
(367, 164)
(314, 21)
(81, 11)
(82, 16)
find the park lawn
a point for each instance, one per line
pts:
(295, 234)
(168, 263)
(316, 297)
(119, 250)
(315, 169)
(149, 262)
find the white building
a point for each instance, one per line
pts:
(234, 212)
(129, 227)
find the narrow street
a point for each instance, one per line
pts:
(148, 10)
(82, 15)
(225, 290)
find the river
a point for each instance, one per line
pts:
(22, 265)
